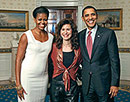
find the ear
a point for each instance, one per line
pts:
(34, 20)
(97, 16)
(82, 18)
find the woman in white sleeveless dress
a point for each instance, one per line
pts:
(32, 60)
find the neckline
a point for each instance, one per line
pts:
(38, 40)
(69, 51)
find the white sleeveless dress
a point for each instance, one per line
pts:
(34, 68)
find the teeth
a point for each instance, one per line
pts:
(65, 35)
(42, 25)
(90, 21)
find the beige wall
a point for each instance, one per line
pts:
(24, 5)
(123, 36)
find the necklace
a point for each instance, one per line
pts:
(40, 32)
(36, 32)
(40, 36)
(67, 47)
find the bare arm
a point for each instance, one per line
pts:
(20, 55)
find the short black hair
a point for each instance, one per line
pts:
(40, 9)
(88, 7)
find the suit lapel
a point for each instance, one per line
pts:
(98, 37)
(83, 44)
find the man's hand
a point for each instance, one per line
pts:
(113, 91)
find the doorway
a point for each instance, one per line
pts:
(57, 14)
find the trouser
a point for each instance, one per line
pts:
(92, 96)
(58, 93)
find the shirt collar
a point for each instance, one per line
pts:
(93, 30)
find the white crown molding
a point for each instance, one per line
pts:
(59, 2)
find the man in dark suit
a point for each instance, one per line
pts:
(101, 64)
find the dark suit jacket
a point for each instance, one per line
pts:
(104, 65)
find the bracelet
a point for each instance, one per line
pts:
(18, 87)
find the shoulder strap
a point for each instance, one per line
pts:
(29, 36)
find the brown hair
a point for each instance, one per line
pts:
(74, 38)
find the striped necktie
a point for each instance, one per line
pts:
(89, 44)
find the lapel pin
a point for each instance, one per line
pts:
(98, 36)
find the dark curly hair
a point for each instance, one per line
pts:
(74, 37)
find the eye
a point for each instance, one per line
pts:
(86, 15)
(44, 19)
(68, 29)
(40, 19)
(62, 29)
(93, 14)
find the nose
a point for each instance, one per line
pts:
(65, 31)
(43, 21)
(90, 17)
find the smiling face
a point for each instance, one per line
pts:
(41, 21)
(90, 18)
(66, 32)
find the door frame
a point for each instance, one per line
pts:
(65, 3)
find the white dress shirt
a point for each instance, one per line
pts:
(94, 30)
